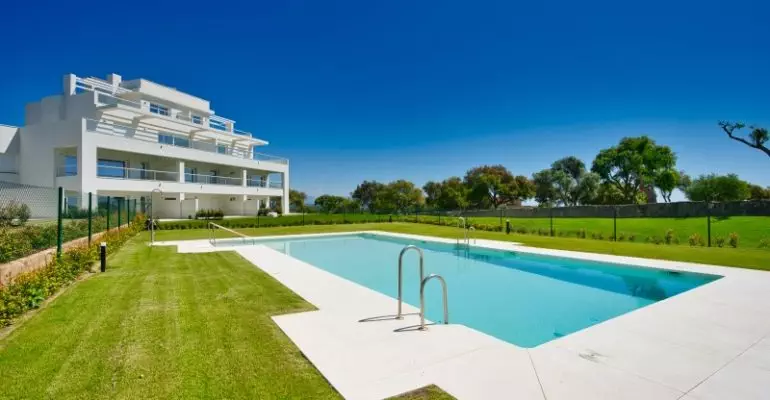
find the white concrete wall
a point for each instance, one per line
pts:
(9, 153)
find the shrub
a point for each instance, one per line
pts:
(764, 243)
(734, 239)
(696, 240)
(209, 214)
(582, 233)
(631, 238)
(621, 237)
(28, 290)
(719, 241)
(14, 213)
(669, 237)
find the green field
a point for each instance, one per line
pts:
(741, 257)
(751, 230)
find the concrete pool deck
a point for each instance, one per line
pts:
(712, 342)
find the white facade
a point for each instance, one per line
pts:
(140, 140)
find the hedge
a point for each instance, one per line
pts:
(28, 290)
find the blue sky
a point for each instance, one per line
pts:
(424, 90)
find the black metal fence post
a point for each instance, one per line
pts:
(119, 212)
(59, 223)
(109, 211)
(103, 256)
(90, 217)
(615, 224)
(551, 215)
(708, 222)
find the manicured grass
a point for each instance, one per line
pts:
(740, 257)
(751, 230)
(431, 392)
(162, 325)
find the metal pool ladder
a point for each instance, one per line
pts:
(400, 274)
(422, 299)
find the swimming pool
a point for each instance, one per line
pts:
(521, 298)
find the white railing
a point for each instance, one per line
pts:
(177, 140)
(110, 100)
(108, 171)
(96, 85)
(212, 179)
(276, 185)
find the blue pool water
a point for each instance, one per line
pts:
(521, 298)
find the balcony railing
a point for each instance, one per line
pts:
(177, 141)
(66, 171)
(259, 182)
(107, 171)
(212, 179)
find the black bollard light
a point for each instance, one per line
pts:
(507, 226)
(103, 255)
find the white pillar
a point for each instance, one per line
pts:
(181, 199)
(69, 86)
(181, 171)
(244, 178)
(285, 199)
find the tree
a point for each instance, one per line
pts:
(297, 200)
(714, 187)
(756, 192)
(633, 165)
(566, 182)
(329, 203)
(494, 186)
(608, 194)
(757, 138)
(666, 181)
(366, 193)
(545, 192)
(454, 194)
(399, 196)
(432, 193)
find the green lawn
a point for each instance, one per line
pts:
(740, 257)
(162, 325)
(751, 230)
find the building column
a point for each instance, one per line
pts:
(285, 199)
(181, 171)
(87, 169)
(266, 180)
(244, 177)
(69, 85)
(181, 200)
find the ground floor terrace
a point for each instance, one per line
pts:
(173, 205)
(254, 319)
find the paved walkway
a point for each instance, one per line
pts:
(712, 342)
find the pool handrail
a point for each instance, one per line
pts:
(399, 315)
(422, 299)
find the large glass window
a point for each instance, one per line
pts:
(222, 148)
(111, 168)
(217, 125)
(158, 109)
(196, 119)
(70, 165)
(190, 174)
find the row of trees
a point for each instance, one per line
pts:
(633, 171)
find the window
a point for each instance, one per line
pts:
(222, 148)
(217, 125)
(70, 165)
(190, 174)
(196, 119)
(111, 168)
(158, 109)
(165, 139)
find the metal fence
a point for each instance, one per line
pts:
(33, 219)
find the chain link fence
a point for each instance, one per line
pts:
(34, 219)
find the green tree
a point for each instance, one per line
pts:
(666, 181)
(566, 182)
(757, 138)
(432, 193)
(608, 194)
(756, 192)
(367, 192)
(714, 187)
(297, 200)
(494, 185)
(330, 203)
(633, 165)
(454, 194)
(399, 196)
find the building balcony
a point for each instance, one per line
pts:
(156, 135)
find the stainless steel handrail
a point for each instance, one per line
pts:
(422, 299)
(465, 232)
(212, 236)
(471, 236)
(400, 274)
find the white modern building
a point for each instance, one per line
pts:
(141, 140)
